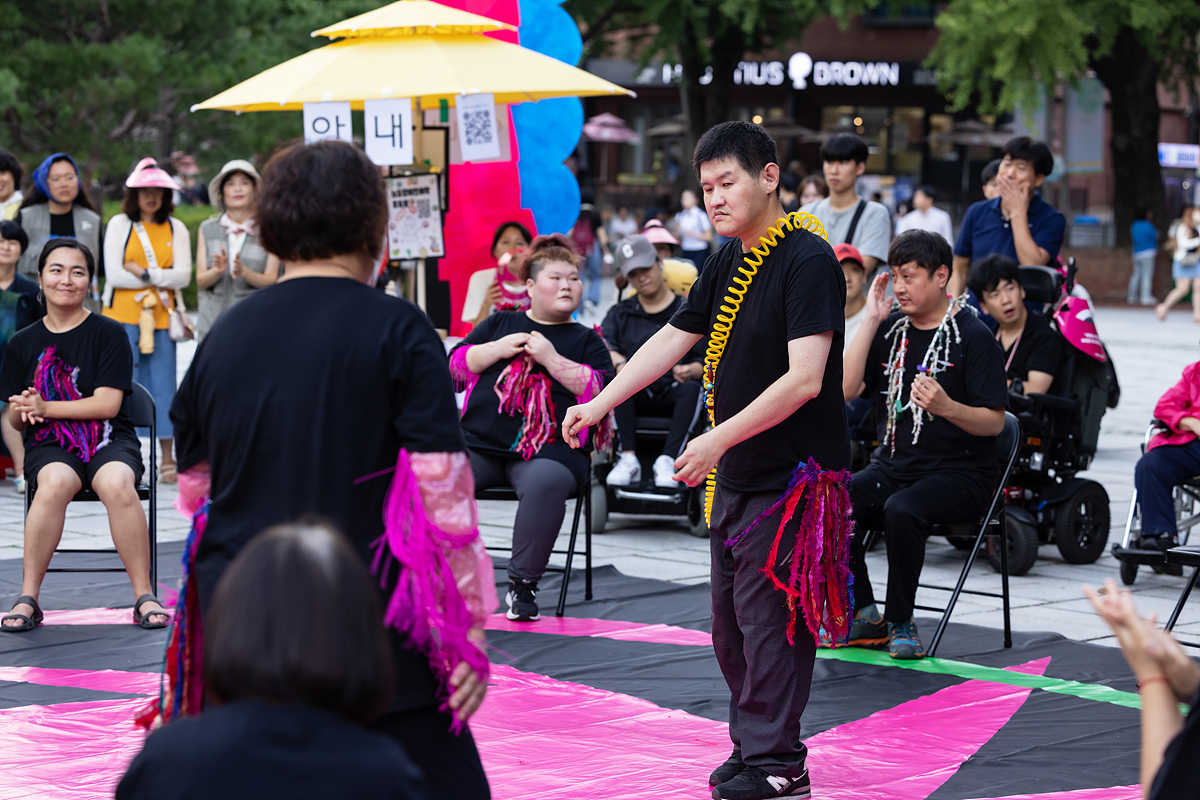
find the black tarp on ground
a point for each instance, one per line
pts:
(1053, 743)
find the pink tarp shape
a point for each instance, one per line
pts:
(107, 680)
(605, 628)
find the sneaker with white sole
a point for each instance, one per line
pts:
(19, 484)
(626, 472)
(664, 473)
(522, 601)
(755, 783)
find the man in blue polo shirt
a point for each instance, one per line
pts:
(1018, 223)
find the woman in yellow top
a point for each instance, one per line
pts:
(148, 256)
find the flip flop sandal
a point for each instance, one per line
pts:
(168, 473)
(27, 623)
(143, 620)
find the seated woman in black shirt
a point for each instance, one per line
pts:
(629, 325)
(66, 377)
(296, 663)
(522, 370)
(1032, 349)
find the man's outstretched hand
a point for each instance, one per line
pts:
(579, 419)
(699, 458)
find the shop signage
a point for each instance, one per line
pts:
(800, 70)
(1186, 156)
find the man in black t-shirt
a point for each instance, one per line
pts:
(777, 405)
(629, 325)
(1032, 350)
(939, 376)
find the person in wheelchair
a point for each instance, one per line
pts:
(66, 378)
(629, 325)
(1032, 349)
(939, 375)
(1172, 456)
(522, 370)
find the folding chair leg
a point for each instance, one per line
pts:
(962, 579)
(1004, 578)
(587, 539)
(1183, 598)
(562, 593)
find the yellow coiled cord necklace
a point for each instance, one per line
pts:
(727, 315)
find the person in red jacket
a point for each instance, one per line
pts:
(1171, 457)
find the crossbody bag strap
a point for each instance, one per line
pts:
(858, 212)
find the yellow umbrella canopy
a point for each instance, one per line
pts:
(412, 18)
(411, 48)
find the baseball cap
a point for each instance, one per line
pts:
(635, 252)
(847, 251)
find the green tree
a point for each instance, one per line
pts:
(113, 80)
(698, 34)
(999, 55)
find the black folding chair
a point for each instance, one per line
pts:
(1184, 556)
(139, 409)
(583, 506)
(1007, 444)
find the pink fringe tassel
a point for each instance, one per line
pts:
(425, 603)
(526, 393)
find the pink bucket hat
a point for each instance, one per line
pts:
(658, 234)
(148, 175)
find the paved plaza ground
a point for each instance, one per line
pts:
(1149, 357)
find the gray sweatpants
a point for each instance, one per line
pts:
(543, 486)
(768, 679)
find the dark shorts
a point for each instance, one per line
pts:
(125, 449)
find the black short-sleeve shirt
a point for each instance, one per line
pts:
(296, 394)
(627, 326)
(94, 353)
(975, 378)
(799, 291)
(489, 431)
(1039, 349)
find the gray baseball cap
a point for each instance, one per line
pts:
(635, 252)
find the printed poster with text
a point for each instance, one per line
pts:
(414, 218)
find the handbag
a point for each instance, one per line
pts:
(179, 327)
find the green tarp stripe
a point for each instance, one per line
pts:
(963, 669)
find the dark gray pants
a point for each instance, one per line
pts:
(543, 486)
(768, 679)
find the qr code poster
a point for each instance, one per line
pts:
(478, 134)
(414, 218)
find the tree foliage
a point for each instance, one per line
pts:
(113, 80)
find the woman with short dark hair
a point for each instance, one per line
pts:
(149, 258)
(522, 370)
(57, 205)
(309, 397)
(296, 663)
(66, 378)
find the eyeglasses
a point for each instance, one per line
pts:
(68, 178)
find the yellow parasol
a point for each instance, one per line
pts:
(411, 48)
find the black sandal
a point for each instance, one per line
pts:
(27, 623)
(143, 620)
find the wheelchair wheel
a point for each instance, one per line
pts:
(599, 507)
(1081, 525)
(1022, 547)
(1129, 571)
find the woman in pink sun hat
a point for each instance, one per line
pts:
(148, 257)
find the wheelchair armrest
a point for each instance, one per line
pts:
(1051, 401)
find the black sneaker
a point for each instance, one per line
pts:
(903, 642)
(868, 631)
(1160, 544)
(729, 770)
(754, 783)
(522, 601)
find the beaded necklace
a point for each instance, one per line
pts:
(727, 315)
(935, 361)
